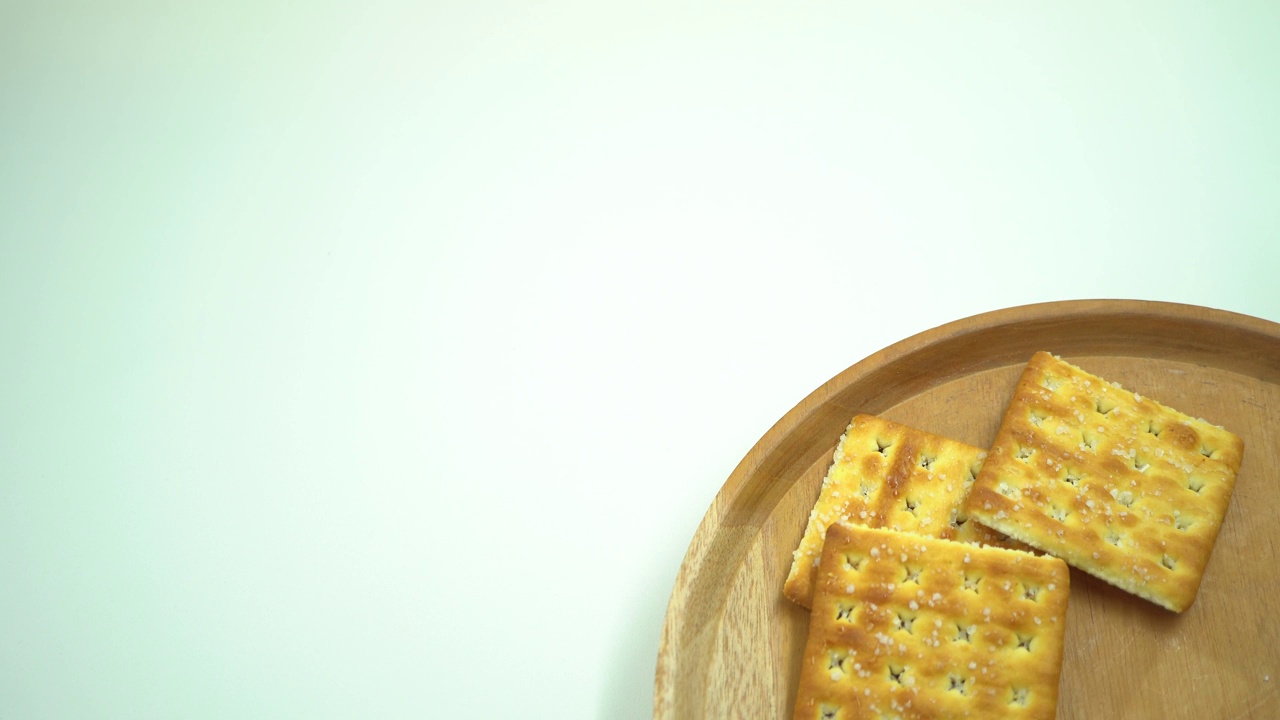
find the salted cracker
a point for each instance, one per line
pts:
(906, 626)
(884, 474)
(1111, 481)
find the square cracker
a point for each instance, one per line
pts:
(888, 475)
(906, 626)
(1114, 483)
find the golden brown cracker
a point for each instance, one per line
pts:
(908, 626)
(1111, 481)
(884, 474)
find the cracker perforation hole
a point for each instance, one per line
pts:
(1183, 523)
(971, 582)
(1030, 592)
(1036, 418)
(1140, 463)
(1024, 453)
(1169, 561)
(1208, 452)
(1024, 641)
(910, 575)
(903, 621)
(1124, 497)
(1154, 428)
(957, 684)
(1018, 696)
(1073, 477)
(911, 505)
(1051, 382)
(1058, 513)
(1103, 405)
(964, 633)
(1113, 537)
(844, 611)
(927, 461)
(1195, 484)
(1088, 441)
(864, 490)
(836, 661)
(826, 712)
(896, 672)
(882, 446)
(854, 562)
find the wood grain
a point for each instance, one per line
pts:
(731, 643)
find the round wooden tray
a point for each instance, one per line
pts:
(731, 643)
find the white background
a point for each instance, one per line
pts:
(381, 361)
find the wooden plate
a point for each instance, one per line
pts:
(731, 643)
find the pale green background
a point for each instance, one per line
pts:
(379, 360)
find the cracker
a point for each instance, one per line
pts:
(888, 475)
(907, 626)
(1114, 483)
